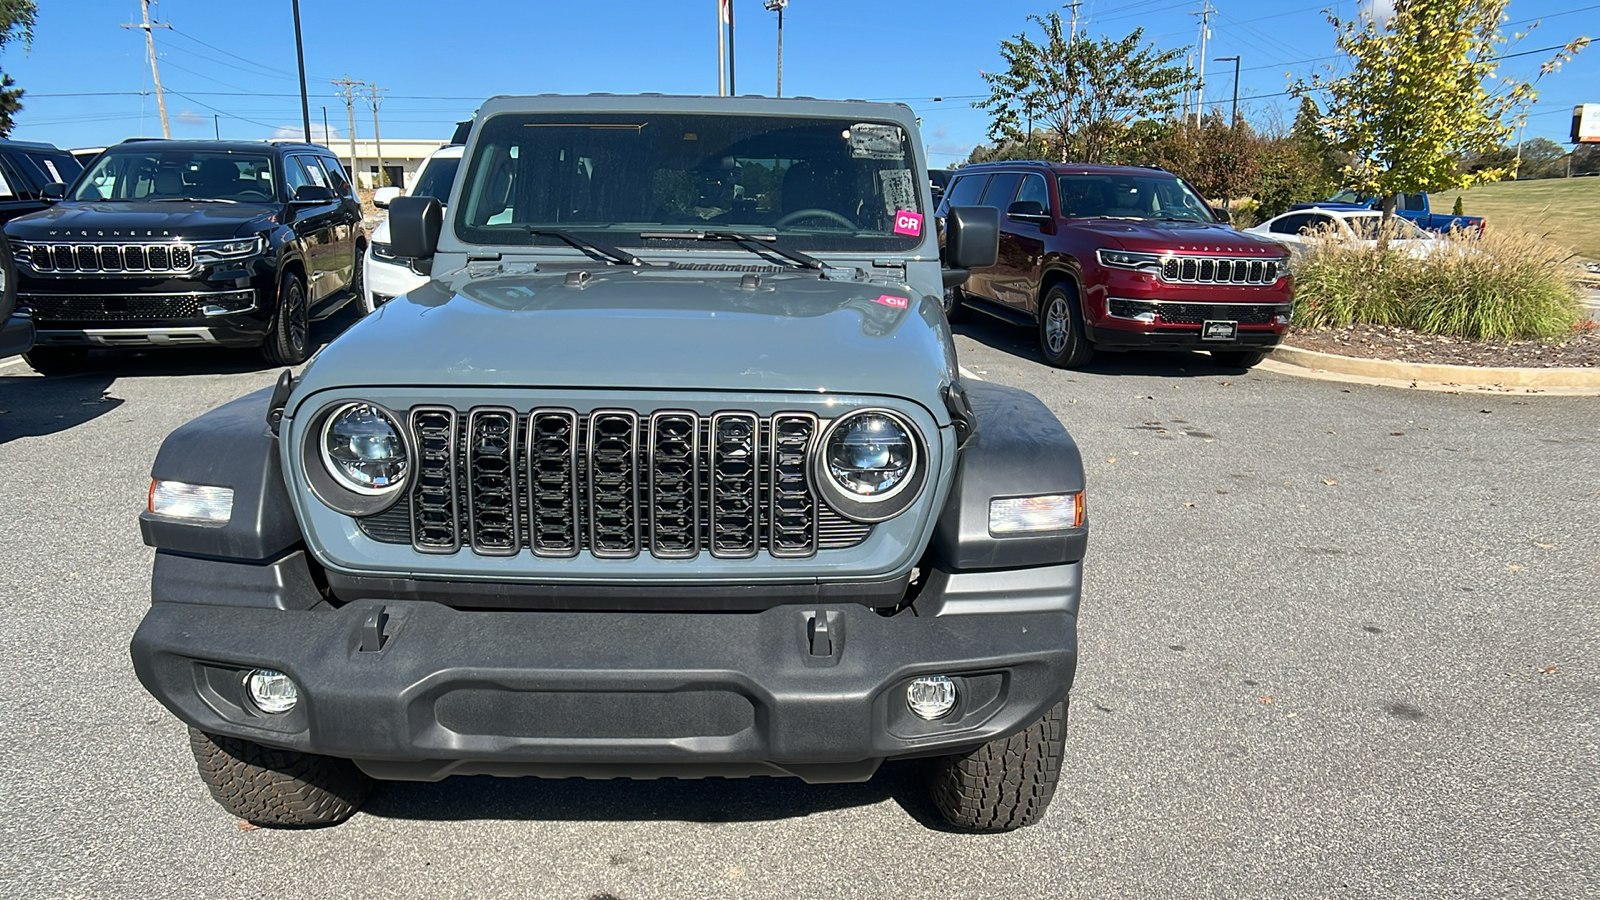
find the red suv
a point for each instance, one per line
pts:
(1118, 258)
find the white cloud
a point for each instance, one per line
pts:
(1378, 10)
(297, 133)
(190, 117)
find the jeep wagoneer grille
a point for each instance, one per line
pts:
(1219, 270)
(108, 259)
(614, 483)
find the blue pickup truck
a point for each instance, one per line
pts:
(1408, 206)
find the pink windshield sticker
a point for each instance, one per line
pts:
(896, 302)
(908, 223)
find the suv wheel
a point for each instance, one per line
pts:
(954, 310)
(8, 283)
(1238, 359)
(286, 788)
(1061, 330)
(57, 360)
(287, 342)
(1007, 783)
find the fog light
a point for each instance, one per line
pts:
(196, 502)
(931, 697)
(271, 691)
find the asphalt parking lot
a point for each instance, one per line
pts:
(1338, 641)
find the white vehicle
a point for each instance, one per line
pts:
(386, 275)
(1296, 229)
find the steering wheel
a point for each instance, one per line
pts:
(813, 213)
(253, 195)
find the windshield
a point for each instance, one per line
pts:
(1368, 228)
(1131, 196)
(1349, 196)
(436, 178)
(825, 184)
(166, 174)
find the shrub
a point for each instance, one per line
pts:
(1500, 286)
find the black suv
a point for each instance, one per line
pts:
(190, 243)
(29, 173)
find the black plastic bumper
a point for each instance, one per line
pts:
(1117, 339)
(16, 336)
(431, 691)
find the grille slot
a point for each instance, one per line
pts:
(735, 447)
(613, 460)
(434, 510)
(492, 481)
(792, 519)
(553, 482)
(674, 485)
(1219, 270)
(158, 256)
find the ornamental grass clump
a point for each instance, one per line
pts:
(1503, 285)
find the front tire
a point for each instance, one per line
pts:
(289, 340)
(281, 788)
(57, 360)
(1007, 783)
(1238, 359)
(1061, 333)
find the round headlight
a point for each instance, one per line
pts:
(363, 450)
(870, 455)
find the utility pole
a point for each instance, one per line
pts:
(1188, 91)
(327, 136)
(1074, 7)
(376, 97)
(722, 48)
(1205, 14)
(1234, 122)
(300, 56)
(216, 122)
(155, 73)
(733, 70)
(778, 5)
(349, 88)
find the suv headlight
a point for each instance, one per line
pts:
(871, 465)
(1286, 266)
(383, 252)
(356, 457)
(236, 248)
(1128, 259)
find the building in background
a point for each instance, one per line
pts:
(400, 159)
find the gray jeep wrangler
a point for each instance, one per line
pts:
(668, 471)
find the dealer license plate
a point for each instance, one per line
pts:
(1217, 330)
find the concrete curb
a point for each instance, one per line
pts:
(1327, 366)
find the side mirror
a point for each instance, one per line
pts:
(313, 193)
(414, 225)
(971, 240)
(53, 192)
(1028, 211)
(1223, 215)
(382, 197)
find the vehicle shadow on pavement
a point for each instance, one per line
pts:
(710, 800)
(35, 407)
(1021, 342)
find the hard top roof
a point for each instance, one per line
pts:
(225, 146)
(748, 104)
(1065, 168)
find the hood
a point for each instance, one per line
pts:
(639, 329)
(1158, 236)
(75, 219)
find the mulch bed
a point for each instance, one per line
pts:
(1581, 350)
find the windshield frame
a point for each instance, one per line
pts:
(91, 172)
(754, 131)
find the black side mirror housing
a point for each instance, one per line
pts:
(53, 192)
(313, 193)
(971, 240)
(1223, 216)
(414, 226)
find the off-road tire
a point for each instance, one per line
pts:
(954, 309)
(8, 280)
(1061, 334)
(288, 343)
(1005, 784)
(281, 788)
(1238, 359)
(57, 360)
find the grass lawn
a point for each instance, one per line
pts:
(1565, 210)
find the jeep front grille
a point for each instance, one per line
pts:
(1218, 270)
(108, 259)
(615, 483)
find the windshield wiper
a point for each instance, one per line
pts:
(191, 200)
(590, 246)
(757, 242)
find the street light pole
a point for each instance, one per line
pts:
(777, 6)
(1234, 122)
(300, 56)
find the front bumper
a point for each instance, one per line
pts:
(227, 306)
(444, 691)
(1136, 310)
(16, 336)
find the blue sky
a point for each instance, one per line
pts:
(236, 59)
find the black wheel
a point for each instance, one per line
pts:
(1061, 330)
(57, 360)
(954, 309)
(1238, 359)
(267, 786)
(1007, 783)
(8, 280)
(288, 341)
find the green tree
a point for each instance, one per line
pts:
(1221, 162)
(1422, 93)
(16, 23)
(1075, 99)
(1542, 158)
